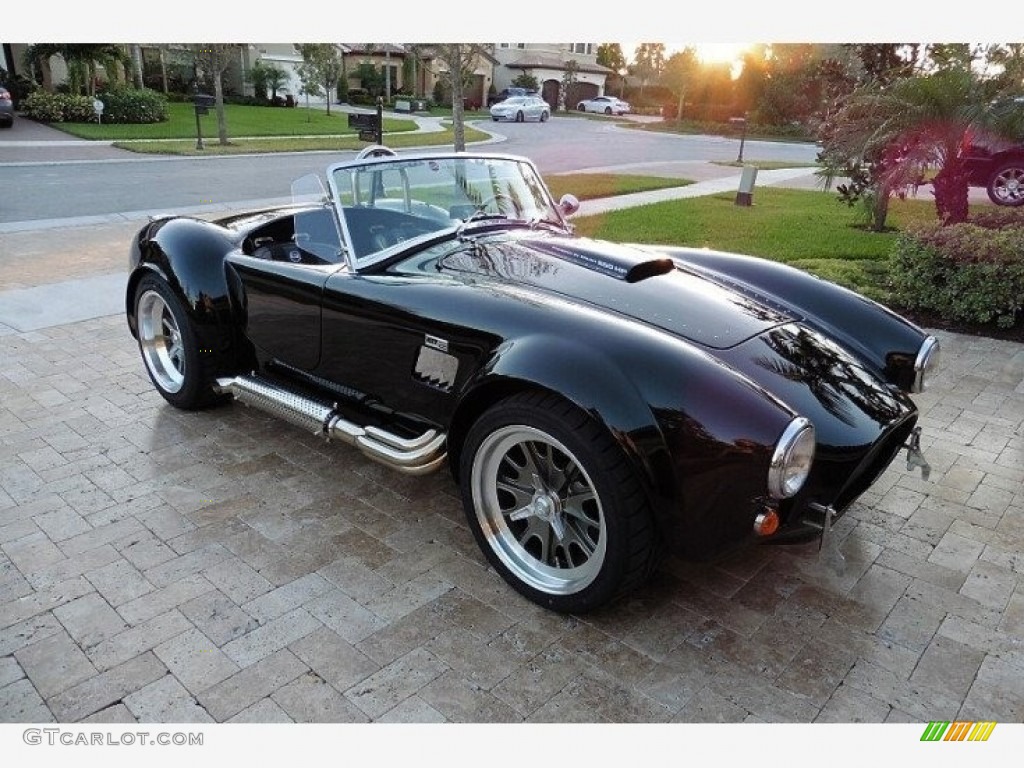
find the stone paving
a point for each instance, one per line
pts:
(161, 566)
(165, 566)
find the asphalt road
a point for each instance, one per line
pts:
(50, 186)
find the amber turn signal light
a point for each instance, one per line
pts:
(766, 523)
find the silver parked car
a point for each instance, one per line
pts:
(607, 105)
(521, 108)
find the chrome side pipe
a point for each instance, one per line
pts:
(412, 456)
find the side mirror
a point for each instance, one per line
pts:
(568, 205)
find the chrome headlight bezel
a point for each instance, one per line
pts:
(927, 361)
(792, 459)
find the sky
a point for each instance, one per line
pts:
(522, 21)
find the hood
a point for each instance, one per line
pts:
(624, 280)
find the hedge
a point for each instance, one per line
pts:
(122, 105)
(971, 272)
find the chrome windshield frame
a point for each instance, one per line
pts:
(364, 162)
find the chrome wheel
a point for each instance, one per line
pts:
(538, 510)
(1007, 185)
(161, 342)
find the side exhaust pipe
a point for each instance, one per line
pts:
(412, 456)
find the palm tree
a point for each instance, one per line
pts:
(906, 129)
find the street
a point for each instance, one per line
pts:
(120, 182)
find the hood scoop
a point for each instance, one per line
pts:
(627, 264)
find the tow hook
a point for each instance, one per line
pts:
(828, 548)
(915, 458)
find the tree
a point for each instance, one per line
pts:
(610, 55)
(910, 127)
(263, 76)
(569, 78)
(681, 69)
(321, 63)
(526, 80)
(1008, 59)
(648, 62)
(213, 60)
(461, 61)
(81, 60)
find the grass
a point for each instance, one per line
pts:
(806, 229)
(589, 186)
(300, 144)
(242, 121)
(764, 165)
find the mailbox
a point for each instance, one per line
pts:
(368, 125)
(203, 102)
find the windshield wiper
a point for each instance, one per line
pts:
(479, 215)
(541, 221)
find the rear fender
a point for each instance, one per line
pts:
(189, 255)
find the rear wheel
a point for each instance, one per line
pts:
(519, 117)
(607, 110)
(555, 505)
(169, 346)
(1006, 185)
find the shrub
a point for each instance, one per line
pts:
(44, 106)
(962, 272)
(133, 105)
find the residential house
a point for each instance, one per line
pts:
(549, 63)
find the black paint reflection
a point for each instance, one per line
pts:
(831, 375)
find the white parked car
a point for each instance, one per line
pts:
(521, 108)
(608, 105)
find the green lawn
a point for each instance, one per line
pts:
(242, 121)
(588, 186)
(807, 229)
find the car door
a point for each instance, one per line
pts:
(283, 279)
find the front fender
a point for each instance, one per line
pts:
(698, 433)
(558, 365)
(887, 343)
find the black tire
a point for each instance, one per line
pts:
(607, 110)
(181, 373)
(581, 107)
(1006, 184)
(584, 533)
(544, 117)
(519, 117)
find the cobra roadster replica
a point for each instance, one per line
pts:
(598, 404)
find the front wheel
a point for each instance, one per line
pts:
(1006, 185)
(543, 117)
(169, 347)
(554, 504)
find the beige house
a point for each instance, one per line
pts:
(549, 63)
(413, 69)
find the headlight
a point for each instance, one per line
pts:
(791, 461)
(926, 364)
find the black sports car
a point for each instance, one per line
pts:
(598, 404)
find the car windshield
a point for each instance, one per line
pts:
(384, 202)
